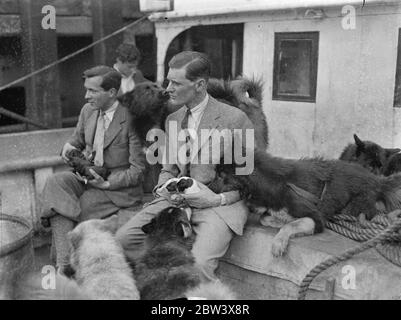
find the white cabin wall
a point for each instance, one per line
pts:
(355, 82)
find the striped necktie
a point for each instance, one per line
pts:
(184, 126)
(98, 143)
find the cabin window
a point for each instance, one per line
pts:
(295, 66)
(397, 88)
(222, 43)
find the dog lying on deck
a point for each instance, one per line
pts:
(372, 156)
(167, 269)
(312, 190)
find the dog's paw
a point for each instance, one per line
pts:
(279, 246)
(270, 221)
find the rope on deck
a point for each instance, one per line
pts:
(378, 232)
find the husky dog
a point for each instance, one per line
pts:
(312, 190)
(99, 263)
(185, 185)
(147, 104)
(166, 269)
(372, 156)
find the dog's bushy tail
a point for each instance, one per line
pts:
(211, 291)
(391, 192)
(253, 87)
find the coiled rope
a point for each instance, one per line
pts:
(377, 232)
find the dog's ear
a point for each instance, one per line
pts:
(75, 238)
(359, 143)
(110, 224)
(390, 151)
(149, 227)
(183, 229)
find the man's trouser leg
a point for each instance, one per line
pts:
(67, 201)
(131, 235)
(60, 199)
(213, 237)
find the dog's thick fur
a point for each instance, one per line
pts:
(316, 189)
(393, 165)
(372, 156)
(99, 263)
(148, 106)
(246, 95)
(167, 269)
(30, 287)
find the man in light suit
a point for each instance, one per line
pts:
(104, 126)
(216, 218)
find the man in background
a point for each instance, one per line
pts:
(127, 61)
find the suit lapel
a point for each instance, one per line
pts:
(115, 126)
(90, 127)
(208, 121)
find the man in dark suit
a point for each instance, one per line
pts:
(127, 61)
(216, 217)
(104, 126)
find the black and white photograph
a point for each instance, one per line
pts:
(208, 153)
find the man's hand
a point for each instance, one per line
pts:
(205, 198)
(98, 182)
(67, 147)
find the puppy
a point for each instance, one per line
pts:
(99, 263)
(179, 186)
(82, 165)
(166, 269)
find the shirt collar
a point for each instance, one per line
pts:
(201, 106)
(110, 112)
(122, 75)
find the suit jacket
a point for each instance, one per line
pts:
(122, 154)
(216, 117)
